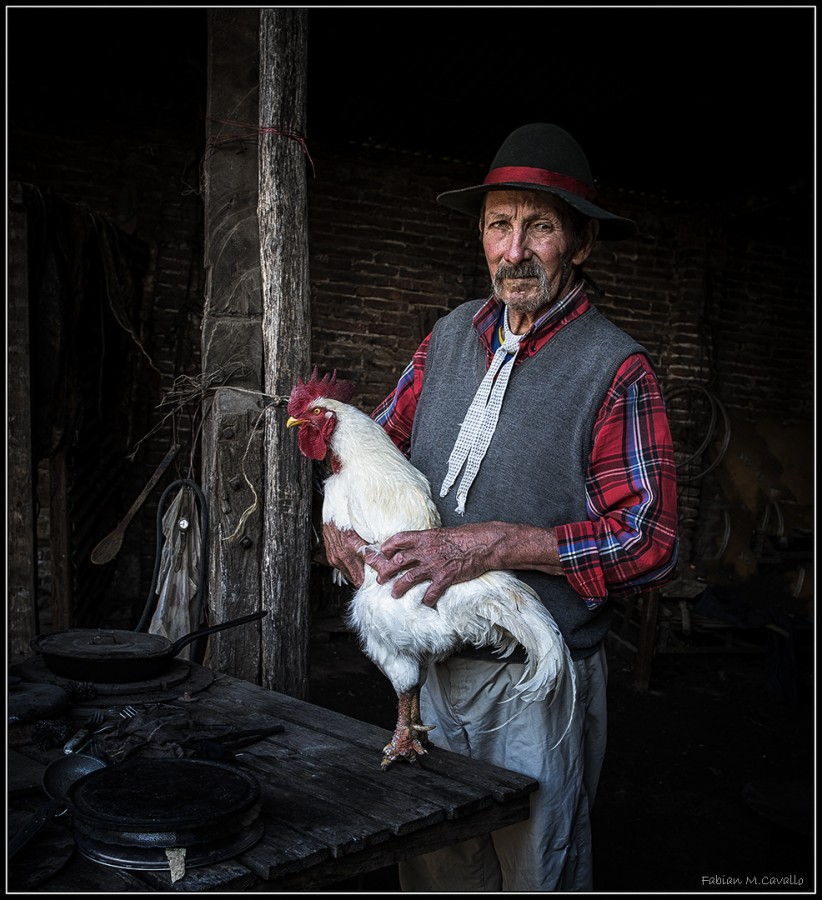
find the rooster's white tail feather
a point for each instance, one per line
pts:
(548, 659)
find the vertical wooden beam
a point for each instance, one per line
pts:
(283, 223)
(257, 485)
(22, 549)
(232, 462)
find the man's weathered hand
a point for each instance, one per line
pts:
(443, 556)
(446, 556)
(342, 550)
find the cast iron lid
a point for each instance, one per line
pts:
(103, 644)
(164, 794)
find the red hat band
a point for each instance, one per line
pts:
(543, 177)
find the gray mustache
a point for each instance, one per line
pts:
(525, 270)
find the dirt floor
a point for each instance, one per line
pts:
(708, 784)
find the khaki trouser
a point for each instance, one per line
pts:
(551, 850)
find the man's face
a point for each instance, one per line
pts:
(528, 246)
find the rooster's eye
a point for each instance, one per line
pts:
(316, 411)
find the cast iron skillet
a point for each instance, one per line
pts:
(59, 776)
(115, 656)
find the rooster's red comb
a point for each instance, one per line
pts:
(305, 392)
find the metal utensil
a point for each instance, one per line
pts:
(125, 713)
(82, 736)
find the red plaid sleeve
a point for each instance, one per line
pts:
(396, 412)
(629, 541)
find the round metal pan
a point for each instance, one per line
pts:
(58, 778)
(114, 656)
(129, 815)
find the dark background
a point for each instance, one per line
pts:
(708, 102)
(716, 101)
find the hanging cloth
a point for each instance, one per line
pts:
(180, 568)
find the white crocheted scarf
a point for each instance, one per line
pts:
(480, 421)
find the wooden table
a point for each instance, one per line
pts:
(330, 812)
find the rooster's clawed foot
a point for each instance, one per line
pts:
(408, 743)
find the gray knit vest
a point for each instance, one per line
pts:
(535, 467)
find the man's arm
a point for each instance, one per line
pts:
(446, 556)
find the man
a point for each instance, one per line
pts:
(542, 429)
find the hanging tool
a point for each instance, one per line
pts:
(110, 546)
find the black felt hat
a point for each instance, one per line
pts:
(542, 157)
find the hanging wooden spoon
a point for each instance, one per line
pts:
(110, 546)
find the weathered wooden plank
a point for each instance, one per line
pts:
(329, 753)
(328, 725)
(391, 805)
(405, 796)
(292, 803)
(226, 876)
(83, 877)
(282, 847)
(404, 847)
(232, 339)
(504, 784)
(283, 222)
(345, 780)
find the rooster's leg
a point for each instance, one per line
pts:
(416, 719)
(410, 735)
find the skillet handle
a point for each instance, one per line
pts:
(178, 645)
(39, 818)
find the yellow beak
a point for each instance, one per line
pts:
(291, 422)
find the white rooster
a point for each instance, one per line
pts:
(376, 492)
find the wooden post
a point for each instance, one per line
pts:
(257, 484)
(22, 563)
(283, 224)
(232, 462)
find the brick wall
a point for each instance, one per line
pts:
(710, 303)
(386, 262)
